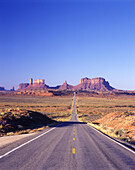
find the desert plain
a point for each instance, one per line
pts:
(112, 114)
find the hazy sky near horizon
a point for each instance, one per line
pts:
(60, 40)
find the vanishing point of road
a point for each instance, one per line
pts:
(71, 145)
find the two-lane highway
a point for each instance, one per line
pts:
(71, 145)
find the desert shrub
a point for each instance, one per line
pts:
(131, 106)
(78, 111)
(111, 130)
(2, 113)
(129, 114)
(103, 126)
(120, 132)
(68, 107)
(96, 123)
(133, 124)
(98, 113)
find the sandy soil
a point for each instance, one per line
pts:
(10, 139)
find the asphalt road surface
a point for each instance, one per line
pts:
(72, 145)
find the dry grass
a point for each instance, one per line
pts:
(104, 105)
(115, 116)
(56, 108)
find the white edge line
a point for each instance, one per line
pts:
(112, 139)
(28, 142)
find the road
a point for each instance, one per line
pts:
(72, 145)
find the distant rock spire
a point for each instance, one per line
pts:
(30, 81)
(12, 89)
(65, 82)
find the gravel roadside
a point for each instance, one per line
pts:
(10, 139)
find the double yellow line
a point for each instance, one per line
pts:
(73, 149)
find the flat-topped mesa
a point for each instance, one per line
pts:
(83, 80)
(33, 84)
(36, 82)
(99, 84)
(2, 88)
(39, 81)
(23, 86)
(94, 84)
(92, 81)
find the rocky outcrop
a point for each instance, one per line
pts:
(2, 88)
(99, 84)
(16, 120)
(23, 86)
(33, 85)
(12, 89)
(38, 81)
(66, 86)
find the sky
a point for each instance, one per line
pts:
(60, 40)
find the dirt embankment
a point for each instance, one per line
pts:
(120, 125)
(20, 121)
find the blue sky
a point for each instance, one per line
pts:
(60, 40)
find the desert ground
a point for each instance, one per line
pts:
(111, 114)
(16, 107)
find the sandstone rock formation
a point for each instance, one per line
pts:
(39, 81)
(12, 89)
(23, 86)
(65, 86)
(30, 81)
(99, 84)
(33, 85)
(2, 88)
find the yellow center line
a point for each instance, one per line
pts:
(73, 138)
(73, 151)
